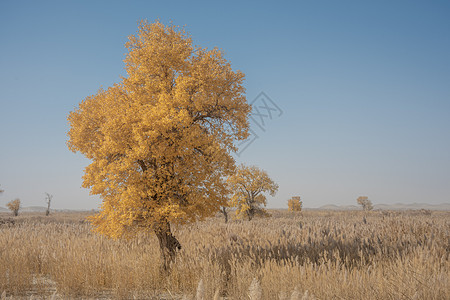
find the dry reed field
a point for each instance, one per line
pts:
(308, 255)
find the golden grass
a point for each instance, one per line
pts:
(332, 255)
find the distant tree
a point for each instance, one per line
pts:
(1, 191)
(14, 206)
(365, 203)
(249, 185)
(295, 204)
(48, 200)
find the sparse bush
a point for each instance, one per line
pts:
(48, 200)
(14, 206)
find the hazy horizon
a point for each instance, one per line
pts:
(360, 93)
(441, 206)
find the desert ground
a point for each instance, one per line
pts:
(306, 255)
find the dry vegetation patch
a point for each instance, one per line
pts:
(349, 255)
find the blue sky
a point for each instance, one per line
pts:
(364, 87)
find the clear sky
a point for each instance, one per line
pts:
(363, 86)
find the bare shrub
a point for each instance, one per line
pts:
(48, 200)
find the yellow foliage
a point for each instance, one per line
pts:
(247, 186)
(160, 140)
(295, 204)
(14, 206)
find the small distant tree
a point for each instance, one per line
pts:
(1, 191)
(14, 206)
(295, 204)
(249, 185)
(365, 203)
(48, 200)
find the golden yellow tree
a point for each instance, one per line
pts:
(365, 203)
(160, 140)
(295, 204)
(248, 185)
(14, 206)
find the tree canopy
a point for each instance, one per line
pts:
(160, 141)
(295, 203)
(248, 185)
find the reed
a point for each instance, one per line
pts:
(311, 255)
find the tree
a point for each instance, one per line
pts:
(295, 204)
(365, 203)
(249, 184)
(48, 200)
(160, 141)
(1, 191)
(14, 206)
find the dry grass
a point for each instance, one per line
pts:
(332, 255)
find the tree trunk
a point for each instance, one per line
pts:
(168, 245)
(225, 213)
